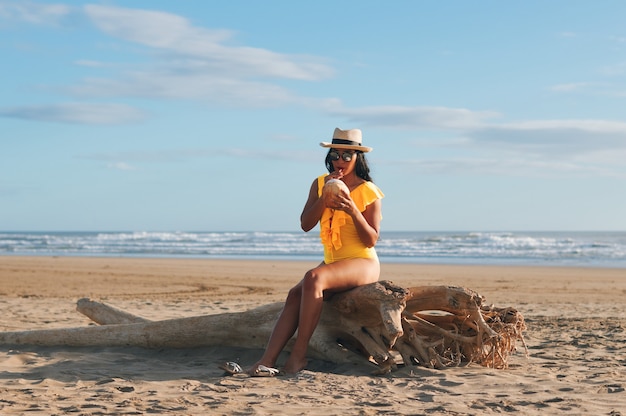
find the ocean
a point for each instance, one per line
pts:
(592, 249)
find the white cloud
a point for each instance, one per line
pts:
(594, 89)
(91, 63)
(184, 155)
(168, 84)
(175, 35)
(619, 39)
(477, 126)
(515, 165)
(531, 147)
(573, 86)
(553, 138)
(419, 117)
(591, 126)
(189, 62)
(34, 13)
(185, 61)
(121, 166)
(494, 166)
(79, 113)
(614, 70)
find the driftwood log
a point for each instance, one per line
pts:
(380, 324)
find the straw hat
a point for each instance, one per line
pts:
(347, 139)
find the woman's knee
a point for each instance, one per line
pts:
(313, 280)
(294, 294)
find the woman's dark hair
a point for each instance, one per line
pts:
(361, 168)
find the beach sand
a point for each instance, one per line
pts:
(576, 339)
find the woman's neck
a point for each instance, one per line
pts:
(351, 180)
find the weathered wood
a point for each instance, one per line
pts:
(462, 334)
(105, 314)
(372, 320)
(249, 328)
(367, 318)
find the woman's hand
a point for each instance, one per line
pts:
(343, 202)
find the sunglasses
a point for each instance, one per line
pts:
(346, 156)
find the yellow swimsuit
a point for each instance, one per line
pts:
(337, 230)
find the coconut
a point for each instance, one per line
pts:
(333, 188)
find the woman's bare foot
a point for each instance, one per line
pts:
(294, 365)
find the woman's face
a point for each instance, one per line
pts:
(343, 160)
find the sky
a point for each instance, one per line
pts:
(154, 115)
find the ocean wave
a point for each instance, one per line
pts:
(599, 248)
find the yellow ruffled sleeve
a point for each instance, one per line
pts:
(365, 194)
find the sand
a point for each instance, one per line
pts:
(576, 338)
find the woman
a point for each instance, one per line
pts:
(349, 229)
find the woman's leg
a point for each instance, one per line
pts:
(283, 330)
(335, 277)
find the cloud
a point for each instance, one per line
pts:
(618, 39)
(554, 137)
(91, 63)
(487, 145)
(183, 61)
(121, 166)
(189, 62)
(131, 159)
(596, 89)
(195, 63)
(480, 127)
(171, 84)
(175, 35)
(76, 113)
(515, 166)
(614, 70)
(570, 87)
(34, 13)
(419, 117)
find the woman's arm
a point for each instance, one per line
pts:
(313, 209)
(367, 223)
